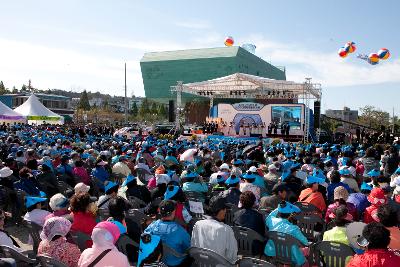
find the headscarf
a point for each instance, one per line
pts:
(55, 226)
(105, 234)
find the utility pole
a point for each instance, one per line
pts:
(393, 121)
(126, 100)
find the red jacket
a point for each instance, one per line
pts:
(370, 213)
(375, 258)
(83, 222)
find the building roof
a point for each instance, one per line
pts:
(191, 54)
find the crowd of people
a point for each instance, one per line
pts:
(70, 179)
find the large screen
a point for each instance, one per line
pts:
(287, 115)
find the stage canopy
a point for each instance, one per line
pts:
(37, 113)
(239, 84)
(8, 115)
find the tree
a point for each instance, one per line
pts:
(144, 108)
(162, 111)
(373, 117)
(105, 104)
(24, 88)
(84, 101)
(14, 90)
(134, 110)
(3, 90)
(154, 108)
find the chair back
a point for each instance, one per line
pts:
(8, 262)
(103, 214)
(230, 212)
(307, 208)
(137, 203)
(194, 196)
(308, 225)
(34, 230)
(168, 251)
(21, 259)
(127, 246)
(80, 239)
(63, 187)
(253, 262)
(207, 258)
(247, 241)
(136, 216)
(46, 261)
(329, 254)
(283, 247)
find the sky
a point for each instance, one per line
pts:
(76, 45)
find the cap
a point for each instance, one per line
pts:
(128, 179)
(30, 201)
(288, 208)
(110, 185)
(81, 188)
(217, 203)
(148, 243)
(314, 179)
(340, 193)
(345, 171)
(167, 207)
(224, 166)
(365, 186)
(58, 201)
(374, 173)
(253, 169)
(171, 191)
(232, 180)
(377, 197)
(109, 227)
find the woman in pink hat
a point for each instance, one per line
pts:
(377, 198)
(104, 252)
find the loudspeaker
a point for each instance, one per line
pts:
(317, 113)
(171, 111)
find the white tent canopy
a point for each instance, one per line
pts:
(37, 113)
(8, 115)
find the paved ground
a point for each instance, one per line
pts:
(20, 233)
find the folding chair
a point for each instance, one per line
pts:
(194, 196)
(63, 187)
(167, 250)
(230, 212)
(80, 239)
(103, 214)
(20, 258)
(207, 258)
(311, 226)
(9, 262)
(283, 247)
(307, 208)
(128, 247)
(141, 175)
(137, 203)
(252, 262)
(46, 261)
(137, 217)
(249, 241)
(34, 230)
(329, 254)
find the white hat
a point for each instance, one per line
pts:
(224, 166)
(253, 169)
(162, 179)
(81, 188)
(58, 201)
(5, 172)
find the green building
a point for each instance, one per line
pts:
(160, 70)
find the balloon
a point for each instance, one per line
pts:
(350, 47)
(373, 58)
(383, 54)
(342, 52)
(229, 41)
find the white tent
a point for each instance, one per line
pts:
(8, 115)
(37, 113)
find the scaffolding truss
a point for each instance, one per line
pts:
(240, 85)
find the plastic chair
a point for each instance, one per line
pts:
(329, 254)
(137, 217)
(167, 250)
(307, 208)
(207, 258)
(63, 187)
(252, 262)
(230, 212)
(80, 239)
(283, 247)
(249, 241)
(103, 214)
(137, 203)
(20, 258)
(9, 262)
(308, 225)
(34, 230)
(194, 196)
(46, 261)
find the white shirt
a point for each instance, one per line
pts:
(37, 216)
(216, 236)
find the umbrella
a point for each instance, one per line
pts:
(249, 148)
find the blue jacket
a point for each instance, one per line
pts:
(101, 174)
(173, 235)
(284, 226)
